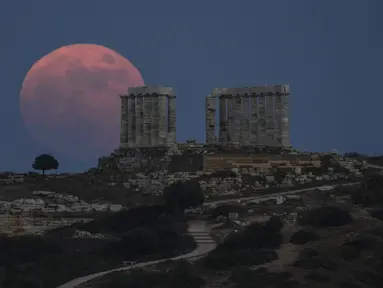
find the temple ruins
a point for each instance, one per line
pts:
(148, 117)
(248, 116)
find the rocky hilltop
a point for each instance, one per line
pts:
(226, 170)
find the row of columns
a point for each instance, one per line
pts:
(148, 117)
(249, 116)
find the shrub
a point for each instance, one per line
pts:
(254, 236)
(365, 242)
(181, 195)
(348, 253)
(325, 217)
(347, 284)
(123, 221)
(141, 241)
(225, 259)
(315, 263)
(253, 245)
(26, 249)
(303, 236)
(317, 277)
(377, 213)
(307, 253)
(183, 274)
(275, 224)
(245, 277)
(370, 193)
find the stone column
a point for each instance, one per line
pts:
(284, 130)
(222, 134)
(245, 133)
(171, 137)
(155, 121)
(132, 121)
(162, 122)
(237, 116)
(139, 119)
(278, 118)
(210, 114)
(261, 120)
(269, 109)
(254, 120)
(147, 102)
(124, 128)
(230, 119)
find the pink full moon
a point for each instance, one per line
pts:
(70, 101)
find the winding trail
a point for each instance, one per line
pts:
(197, 228)
(375, 166)
(200, 231)
(271, 195)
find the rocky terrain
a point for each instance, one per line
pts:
(337, 243)
(226, 170)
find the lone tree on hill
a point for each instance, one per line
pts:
(45, 162)
(181, 195)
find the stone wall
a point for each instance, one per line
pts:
(188, 162)
(196, 157)
(224, 169)
(219, 161)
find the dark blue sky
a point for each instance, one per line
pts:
(329, 51)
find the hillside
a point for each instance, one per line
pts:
(140, 234)
(337, 245)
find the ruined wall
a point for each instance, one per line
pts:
(193, 158)
(221, 170)
(214, 162)
(148, 117)
(143, 160)
(186, 163)
(250, 115)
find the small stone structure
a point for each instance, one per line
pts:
(148, 117)
(249, 116)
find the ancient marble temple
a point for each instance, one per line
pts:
(248, 116)
(148, 117)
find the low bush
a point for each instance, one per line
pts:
(377, 213)
(124, 221)
(303, 236)
(365, 242)
(256, 236)
(141, 234)
(317, 277)
(274, 225)
(307, 253)
(315, 263)
(347, 284)
(328, 216)
(254, 245)
(370, 194)
(244, 277)
(348, 253)
(223, 259)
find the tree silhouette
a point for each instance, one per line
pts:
(45, 162)
(181, 195)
